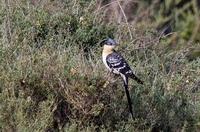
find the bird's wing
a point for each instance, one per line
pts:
(116, 62)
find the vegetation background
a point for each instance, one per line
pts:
(52, 77)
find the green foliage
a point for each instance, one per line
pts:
(52, 77)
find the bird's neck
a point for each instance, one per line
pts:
(107, 49)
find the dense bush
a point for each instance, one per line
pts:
(52, 77)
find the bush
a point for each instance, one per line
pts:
(52, 77)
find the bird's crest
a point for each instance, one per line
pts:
(108, 41)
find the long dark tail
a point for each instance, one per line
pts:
(136, 79)
(128, 95)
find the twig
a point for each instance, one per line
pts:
(111, 4)
(7, 21)
(125, 19)
(196, 28)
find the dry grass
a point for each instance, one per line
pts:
(52, 77)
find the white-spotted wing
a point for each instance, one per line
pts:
(118, 64)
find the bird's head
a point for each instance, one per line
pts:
(108, 42)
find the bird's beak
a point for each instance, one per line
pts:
(102, 42)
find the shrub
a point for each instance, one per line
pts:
(52, 77)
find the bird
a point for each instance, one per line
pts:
(116, 64)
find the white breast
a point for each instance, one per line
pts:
(104, 61)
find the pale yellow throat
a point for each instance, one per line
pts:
(107, 49)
